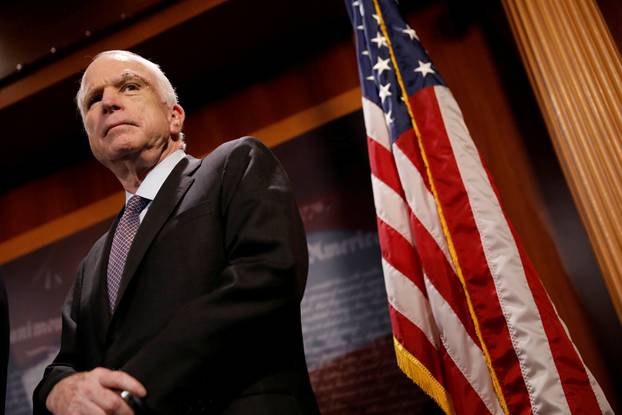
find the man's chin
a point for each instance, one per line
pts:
(119, 148)
(117, 154)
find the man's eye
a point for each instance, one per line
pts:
(130, 87)
(92, 100)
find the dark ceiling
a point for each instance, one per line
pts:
(35, 32)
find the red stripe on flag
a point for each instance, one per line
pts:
(466, 238)
(441, 275)
(398, 252)
(435, 264)
(464, 397)
(383, 166)
(573, 376)
(415, 341)
(575, 382)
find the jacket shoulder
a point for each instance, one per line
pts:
(242, 144)
(238, 154)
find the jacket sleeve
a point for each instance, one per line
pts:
(66, 361)
(216, 338)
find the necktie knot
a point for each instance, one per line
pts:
(136, 204)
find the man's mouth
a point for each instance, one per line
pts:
(117, 124)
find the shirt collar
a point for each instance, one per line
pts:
(157, 176)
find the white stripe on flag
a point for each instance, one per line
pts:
(420, 200)
(467, 355)
(603, 404)
(391, 208)
(410, 302)
(519, 309)
(375, 124)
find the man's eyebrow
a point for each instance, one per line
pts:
(128, 76)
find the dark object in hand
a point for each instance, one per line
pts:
(133, 402)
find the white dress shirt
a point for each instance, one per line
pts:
(154, 180)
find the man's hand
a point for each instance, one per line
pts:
(95, 392)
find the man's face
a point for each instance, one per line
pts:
(124, 114)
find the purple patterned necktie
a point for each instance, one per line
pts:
(123, 237)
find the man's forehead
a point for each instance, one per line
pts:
(110, 70)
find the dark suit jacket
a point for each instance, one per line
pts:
(208, 313)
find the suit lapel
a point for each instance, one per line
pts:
(94, 281)
(169, 195)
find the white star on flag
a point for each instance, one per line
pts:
(385, 91)
(380, 40)
(358, 4)
(382, 65)
(388, 118)
(410, 32)
(376, 18)
(424, 68)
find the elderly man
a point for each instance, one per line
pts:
(191, 302)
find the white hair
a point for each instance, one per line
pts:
(162, 85)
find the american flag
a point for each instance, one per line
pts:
(472, 323)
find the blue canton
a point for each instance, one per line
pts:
(376, 70)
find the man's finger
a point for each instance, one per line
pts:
(122, 381)
(111, 402)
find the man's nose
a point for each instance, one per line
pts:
(110, 101)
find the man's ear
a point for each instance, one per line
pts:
(177, 117)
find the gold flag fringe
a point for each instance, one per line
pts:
(419, 374)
